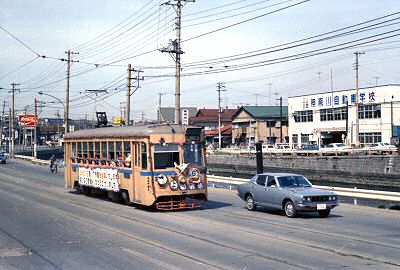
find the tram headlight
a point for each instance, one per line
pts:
(162, 179)
(173, 185)
(192, 186)
(200, 185)
(183, 187)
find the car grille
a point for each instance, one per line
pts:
(320, 199)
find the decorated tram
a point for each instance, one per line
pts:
(159, 165)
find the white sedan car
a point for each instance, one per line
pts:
(380, 148)
(336, 149)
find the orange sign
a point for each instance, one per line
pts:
(28, 120)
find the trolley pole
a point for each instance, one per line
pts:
(357, 131)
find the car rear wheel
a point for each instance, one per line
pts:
(324, 213)
(290, 210)
(250, 205)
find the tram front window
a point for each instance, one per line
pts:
(166, 156)
(193, 154)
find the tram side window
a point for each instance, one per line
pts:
(85, 150)
(79, 150)
(144, 156)
(111, 154)
(127, 154)
(97, 150)
(166, 156)
(137, 155)
(103, 150)
(118, 150)
(73, 150)
(91, 150)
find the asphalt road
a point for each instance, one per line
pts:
(44, 226)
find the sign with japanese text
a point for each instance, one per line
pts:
(28, 120)
(329, 100)
(107, 179)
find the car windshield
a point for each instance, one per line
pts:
(293, 181)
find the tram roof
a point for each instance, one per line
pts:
(126, 131)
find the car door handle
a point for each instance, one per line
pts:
(253, 186)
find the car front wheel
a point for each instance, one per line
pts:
(250, 205)
(290, 210)
(324, 213)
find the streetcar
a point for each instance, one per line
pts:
(154, 165)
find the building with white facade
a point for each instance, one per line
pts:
(331, 116)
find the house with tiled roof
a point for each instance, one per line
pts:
(251, 124)
(208, 119)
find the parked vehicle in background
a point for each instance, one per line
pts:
(307, 150)
(268, 148)
(3, 158)
(336, 149)
(380, 148)
(292, 193)
(282, 149)
(247, 149)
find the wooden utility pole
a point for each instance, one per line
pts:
(66, 112)
(280, 119)
(128, 97)
(220, 88)
(129, 93)
(357, 131)
(12, 120)
(35, 131)
(2, 125)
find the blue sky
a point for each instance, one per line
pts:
(52, 27)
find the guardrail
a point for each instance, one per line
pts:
(298, 152)
(347, 192)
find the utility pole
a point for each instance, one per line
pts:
(220, 88)
(35, 132)
(159, 116)
(281, 120)
(66, 112)
(269, 93)
(58, 127)
(174, 49)
(376, 80)
(2, 125)
(129, 93)
(13, 89)
(357, 131)
(128, 97)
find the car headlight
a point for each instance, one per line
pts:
(306, 199)
(162, 179)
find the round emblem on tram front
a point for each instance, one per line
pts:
(194, 172)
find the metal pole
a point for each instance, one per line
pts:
(2, 125)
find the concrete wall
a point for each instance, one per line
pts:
(374, 172)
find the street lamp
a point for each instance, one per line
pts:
(62, 103)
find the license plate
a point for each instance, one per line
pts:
(321, 206)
